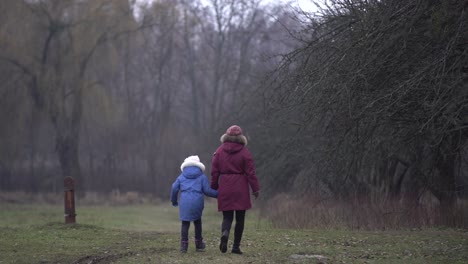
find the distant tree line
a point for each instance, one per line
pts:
(117, 94)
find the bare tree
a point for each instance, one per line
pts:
(121, 94)
(378, 84)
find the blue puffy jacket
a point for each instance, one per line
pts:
(193, 185)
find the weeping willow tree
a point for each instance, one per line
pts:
(53, 45)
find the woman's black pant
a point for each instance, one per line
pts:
(228, 217)
(185, 230)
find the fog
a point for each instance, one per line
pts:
(359, 103)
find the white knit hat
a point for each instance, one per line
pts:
(192, 161)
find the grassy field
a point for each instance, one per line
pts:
(150, 234)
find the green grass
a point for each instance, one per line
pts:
(150, 234)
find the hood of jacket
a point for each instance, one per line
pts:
(237, 139)
(192, 172)
(232, 147)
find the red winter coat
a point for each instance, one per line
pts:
(232, 171)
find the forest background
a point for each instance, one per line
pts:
(356, 114)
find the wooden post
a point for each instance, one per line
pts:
(69, 184)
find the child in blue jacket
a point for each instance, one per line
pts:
(193, 185)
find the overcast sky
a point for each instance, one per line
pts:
(305, 5)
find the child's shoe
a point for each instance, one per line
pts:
(224, 241)
(183, 246)
(199, 245)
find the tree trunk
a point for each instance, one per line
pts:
(67, 129)
(190, 60)
(67, 150)
(33, 149)
(445, 185)
(446, 191)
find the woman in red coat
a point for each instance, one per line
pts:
(232, 172)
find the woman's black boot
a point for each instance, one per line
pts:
(224, 241)
(236, 250)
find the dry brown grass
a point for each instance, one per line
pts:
(314, 212)
(21, 197)
(89, 198)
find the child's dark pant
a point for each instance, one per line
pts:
(228, 217)
(185, 230)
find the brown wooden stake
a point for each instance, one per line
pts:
(69, 184)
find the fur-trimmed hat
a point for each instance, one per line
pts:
(234, 134)
(192, 161)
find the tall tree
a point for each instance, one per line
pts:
(55, 57)
(379, 84)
